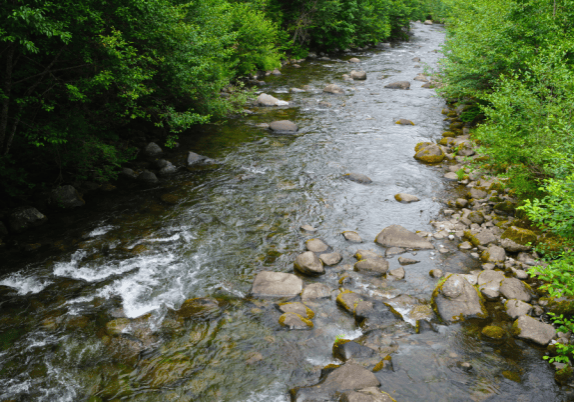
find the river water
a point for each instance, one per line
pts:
(140, 258)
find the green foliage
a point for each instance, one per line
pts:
(564, 352)
(558, 275)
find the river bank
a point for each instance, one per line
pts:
(104, 319)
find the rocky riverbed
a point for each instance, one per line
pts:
(336, 246)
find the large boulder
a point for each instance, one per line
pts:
(268, 100)
(513, 288)
(529, 329)
(276, 284)
(399, 85)
(283, 126)
(456, 300)
(24, 218)
(358, 177)
(333, 89)
(513, 247)
(430, 153)
(489, 284)
(358, 75)
(372, 266)
(309, 264)
(66, 197)
(398, 236)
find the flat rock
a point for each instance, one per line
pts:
(24, 218)
(484, 238)
(399, 85)
(352, 236)
(331, 258)
(398, 236)
(297, 308)
(333, 89)
(364, 254)
(397, 274)
(268, 100)
(295, 321)
(407, 261)
(406, 198)
(456, 299)
(316, 291)
(489, 284)
(372, 394)
(513, 288)
(394, 251)
(451, 176)
(476, 194)
(316, 245)
(493, 254)
(66, 197)
(276, 284)
(357, 177)
(372, 266)
(349, 350)
(530, 329)
(309, 264)
(283, 126)
(517, 308)
(308, 228)
(513, 247)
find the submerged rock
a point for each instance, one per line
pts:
(398, 236)
(456, 300)
(357, 177)
(66, 197)
(283, 126)
(399, 85)
(24, 218)
(309, 264)
(297, 308)
(529, 329)
(316, 291)
(494, 333)
(276, 284)
(295, 321)
(372, 266)
(199, 307)
(333, 89)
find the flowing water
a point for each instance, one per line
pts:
(139, 258)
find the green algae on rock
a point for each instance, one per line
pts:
(429, 154)
(493, 332)
(519, 235)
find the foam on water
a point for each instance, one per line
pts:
(101, 230)
(25, 284)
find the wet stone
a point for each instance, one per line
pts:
(358, 75)
(152, 149)
(529, 329)
(198, 307)
(331, 258)
(283, 126)
(404, 122)
(456, 299)
(394, 251)
(398, 236)
(406, 198)
(512, 288)
(372, 266)
(349, 300)
(489, 284)
(309, 264)
(316, 245)
(364, 254)
(295, 321)
(333, 89)
(316, 291)
(407, 261)
(436, 273)
(352, 236)
(24, 218)
(297, 308)
(276, 284)
(399, 85)
(517, 308)
(308, 228)
(357, 177)
(346, 350)
(397, 274)
(193, 158)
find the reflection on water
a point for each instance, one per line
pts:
(97, 319)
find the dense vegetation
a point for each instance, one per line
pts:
(80, 80)
(514, 61)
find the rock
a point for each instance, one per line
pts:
(517, 308)
(169, 168)
(24, 218)
(295, 321)
(254, 358)
(334, 89)
(476, 217)
(276, 72)
(461, 203)
(193, 158)
(405, 122)
(308, 228)
(349, 300)
(399, 85)
(489, 284)
(398, 236)
(421, 77)
(352, 236)
(431, 153)
(128, 173)
(283, 126)
(152, 149)
(372, 266)
(358, 75)
(297, 308)
(347, 350)
(357, 177)
(364, 254)
(529, 329)
(147, 177)
(521, 274)
(309, 264)
(476, 194)
(406, 198)
(493, 332)
(407, 261)
(465, 246)
(268, 100)
(436, 273)
(66, 197)
(316, 245)
(456, 299)
(394, 251)
(493, 254)
(513, 247)
(296, 90)
(519, 236)
(397, 274)
(416, 59)
(513, 288)
(366, 395)
(276, 284)
(428, 22)
(316, 291)
(117, 326)
(482, 238)
(427, 85)
(354, 60)
(451, 176)
(331, 258)
(198, 307)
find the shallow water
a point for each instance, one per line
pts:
(141, 258)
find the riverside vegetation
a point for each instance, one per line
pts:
(510, 65)
(83, 84)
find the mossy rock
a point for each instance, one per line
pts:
(520, 235)
(116, 327)
(348, 300)
(492, 332)
(385, 364)
(505, 206)
(446, 141)
(430, 154)
(452, 113)
(457, 125)
(199, 307)
(511, 375)
(448, 134)
(482, 158)
(422, 145)
(560, 305)
(564, 375)
(471, 238)
(515, 329)
(295, 321)
(445, 111)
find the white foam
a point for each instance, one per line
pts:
(275, 393)
(101, 230)
(25, 284)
